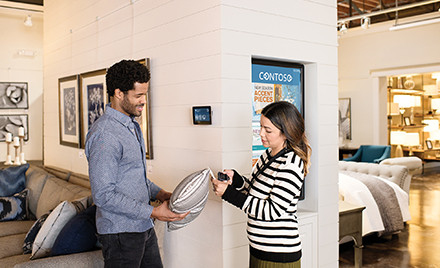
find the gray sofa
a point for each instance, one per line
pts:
(48, 187)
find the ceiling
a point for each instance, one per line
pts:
(352, 8)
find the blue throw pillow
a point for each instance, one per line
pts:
(78, 235)
(12, 180)
(32, 233)
(14, 208)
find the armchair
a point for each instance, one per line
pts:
(371, 154)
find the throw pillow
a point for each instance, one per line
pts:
(191, 194)
(56, 220)
(14, 208)
(32, 233)
(12, 180)
(78, 235)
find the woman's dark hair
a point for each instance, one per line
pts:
(289, 121)
(124, 74)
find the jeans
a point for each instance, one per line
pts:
(131, 250)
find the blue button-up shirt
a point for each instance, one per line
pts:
(117, 172)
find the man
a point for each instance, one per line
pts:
(121, 191)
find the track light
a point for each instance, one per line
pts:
(28, 21)
(343, 29)
(365, 23)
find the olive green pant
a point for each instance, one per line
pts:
(256, 263)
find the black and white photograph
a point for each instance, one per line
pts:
(11, 124)
(14, 95)
(69, 111)
(93, 99)
(345, 118)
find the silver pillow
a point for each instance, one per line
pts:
(191, 194)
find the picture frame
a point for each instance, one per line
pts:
(14, 95)
(10, 123)
(94, 97)
(407, 121)
(145, 119)
(428, 144)
(345, 118)
(68, 103)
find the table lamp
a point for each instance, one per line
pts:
(435, 136)
(404, 101)
(430, 125)
(435, 105)
(398, 138)
(430, 90)
(412, 139)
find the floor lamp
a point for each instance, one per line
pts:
(398, 138)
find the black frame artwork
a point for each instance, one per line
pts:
(68, 100)
(14, 95)
(11, 123)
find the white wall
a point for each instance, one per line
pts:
(14, 68)
(200, 54)
(367, 56)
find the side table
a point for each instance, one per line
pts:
(350, 223)
(346, 151)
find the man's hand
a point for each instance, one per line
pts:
(163, 213)
(163, 195)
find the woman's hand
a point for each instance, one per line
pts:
(220, 186)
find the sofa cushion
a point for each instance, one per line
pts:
(52, 226)
(14, 227)
(32, 233)
(78, 235)
(55, 191)
(191, 194)
(35, 179)
(14, 208)
(11, 245)
(12, 180)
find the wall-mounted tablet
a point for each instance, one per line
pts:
(201, 115)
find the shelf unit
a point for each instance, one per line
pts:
(414, 94)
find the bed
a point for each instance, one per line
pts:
(382, 189)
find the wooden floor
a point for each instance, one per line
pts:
(418, 245)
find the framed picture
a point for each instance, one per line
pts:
(407, 121)
(14, 95)
(345, 118)
(145, 119)
(68, 98)
(429, 144)
(11, 124)
(93, 94)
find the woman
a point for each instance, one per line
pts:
(270, 196)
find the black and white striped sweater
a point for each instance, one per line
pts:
(271, 204)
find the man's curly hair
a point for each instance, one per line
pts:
(124, 74)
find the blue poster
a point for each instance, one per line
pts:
(272, 83)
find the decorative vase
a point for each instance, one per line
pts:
(409, 83)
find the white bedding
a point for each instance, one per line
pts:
(355, 192)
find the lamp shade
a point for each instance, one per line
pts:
(431, 125)
(416, 101)
(435, 104)
(404, 101)
(430, 90)
(412, 139)
(393, 108)
(434, 135)
(397, 137)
